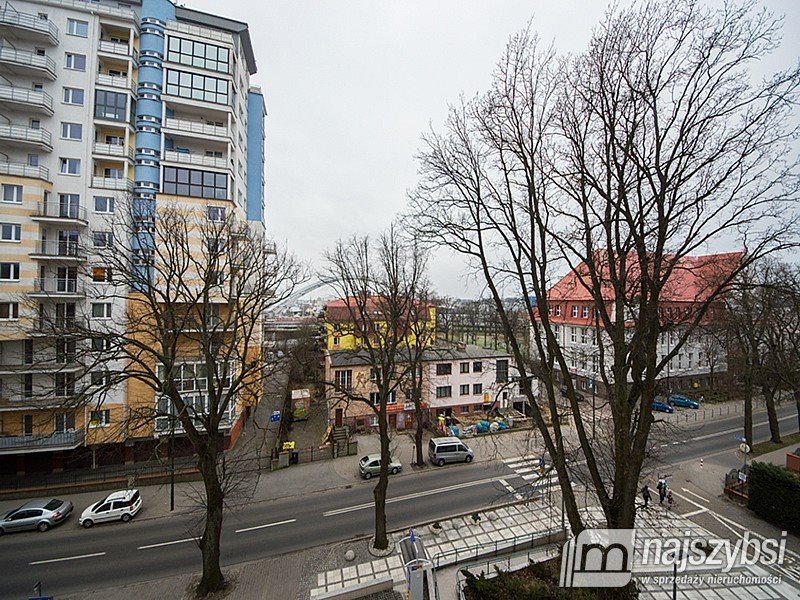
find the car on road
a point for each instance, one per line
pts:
(117, 506)
(443, 450)
(370, 465)
(682, 401)
(41, 514)
(659, 406)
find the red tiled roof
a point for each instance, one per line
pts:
(337, 311)
(692, 280)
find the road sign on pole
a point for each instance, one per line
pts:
(275, 416)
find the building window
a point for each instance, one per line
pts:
(99, 418)
(198, 54)
(64, 422)
(12, 193)
(572, 335)
(197, 87)
(27, 385)
(501, 368)
(477, 366)
(75, 62)
(463, 409)
(374, 398)
(444, 369)
(101, 378)
(10, 232)
(69, 166)
(9, 271)
(9, 311)
(73, 96)
(558, 310)
(102, 239)
(477, 388)
(103, 204)
(574, 310)
(463, 389)
(216, 213)
(65, 384)
(33, 160)
(336, 340)
(689, 358)
(192, 182)
(110, 105)
(463, 367)
(585, 312)
(71, 131)
(444, 391)
(78, 28)
(375, 374)
(557, 333)
(100, 344)
(101, 275)
(584, 331)
(343, 379)
(65, 351)
(101, 310)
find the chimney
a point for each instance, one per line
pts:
(461, 347)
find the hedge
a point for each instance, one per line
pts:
(774, 495)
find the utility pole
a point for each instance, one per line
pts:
(172, 464)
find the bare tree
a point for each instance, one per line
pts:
(182, 304)
(618, 165)
(379, 284)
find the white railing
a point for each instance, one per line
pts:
(56, 210)
(114, 47)
(61, 248)
(11, 93)
(26, 134)
(203, 32)
(112, 80)
(28, 59)
(23, 170)
(30, 22)
(112, 183)
(58, 285)
(113, 150)
(195, 159)
(196, 127)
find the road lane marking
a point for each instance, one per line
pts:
(694, 513)
(450, 488)
(265, 526)
(54, 560)
(511, 489)
(737, 429)
(167, 543)
(683, 489)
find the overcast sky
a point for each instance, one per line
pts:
(350, 86)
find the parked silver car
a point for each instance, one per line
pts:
(41, 514)
(370, 465)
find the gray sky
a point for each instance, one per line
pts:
(350, 86)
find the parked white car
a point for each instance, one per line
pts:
(118, 506)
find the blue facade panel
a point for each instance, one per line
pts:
(255, 157)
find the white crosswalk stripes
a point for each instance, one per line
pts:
(527, 467)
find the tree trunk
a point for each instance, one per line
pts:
(379, 493)
(772, 416)
(796, 392)
(419, 416)
(212, 579)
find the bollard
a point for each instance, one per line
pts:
(701, 463)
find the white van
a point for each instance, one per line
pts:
(448, 449)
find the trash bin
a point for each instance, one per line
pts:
(295, 458)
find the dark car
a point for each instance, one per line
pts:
(565, 394)
(41, 514)
(659, 406)
(682, 401)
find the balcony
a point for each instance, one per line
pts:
(19, 444)
(20, 135)
(27, 26)
(117, 49)
(113, 150)
(42, 366)
(17, 98)
(194, 128)
(24, 62)
(55, 212)
(23, 170)
(116, 81)
(195, 159)
(113, 183)
(59, 249)
(58, 287)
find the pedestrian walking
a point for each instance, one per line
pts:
(670, 499)
(662, 490)
(646, 495)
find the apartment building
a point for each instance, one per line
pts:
(103, 103)
(572, 313)
(458, 380)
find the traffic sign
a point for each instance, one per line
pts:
(275, 416)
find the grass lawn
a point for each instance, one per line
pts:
(788, 440)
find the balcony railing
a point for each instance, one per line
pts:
(112, 183)
(32, 24)
(58, 285)
(27, 60)
(63, 439)
(196, 159)
(116, 81)
(195, 127)
(118, 48)
(26, 135)
(113, 150)
(23, 170)
(60, 248)
(56, 210)
(32, 99)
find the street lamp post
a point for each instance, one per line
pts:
(172, 464)
(594, 384)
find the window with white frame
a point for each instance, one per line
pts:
(477, 388)
(585, 312)
(100, 418)
(77, 28)
(9, 311)
(103, 204)
(444, 391)
(69, 166)
(374, 398)
(375, 374)
(73, 96)
(444, 368)
(102, 239)
(558, 310)
(584, 332)
(463, 367)
(216, 213)
(75, 62)
(463, 389)
(10, 232)
(101, 310)
(572, 335)
(574, 310)
(12, 193)
(689, 357)
(101, 275)
(100, 344)
(9, 271)
(71, 131)
(101, 378)
(343, 379)
(65, 385)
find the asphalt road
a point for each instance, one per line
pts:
(67, 557)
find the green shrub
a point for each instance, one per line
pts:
(772, 490)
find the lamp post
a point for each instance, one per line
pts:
(172, 463)
(593, 384)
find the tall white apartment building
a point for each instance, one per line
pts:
(101, 102)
